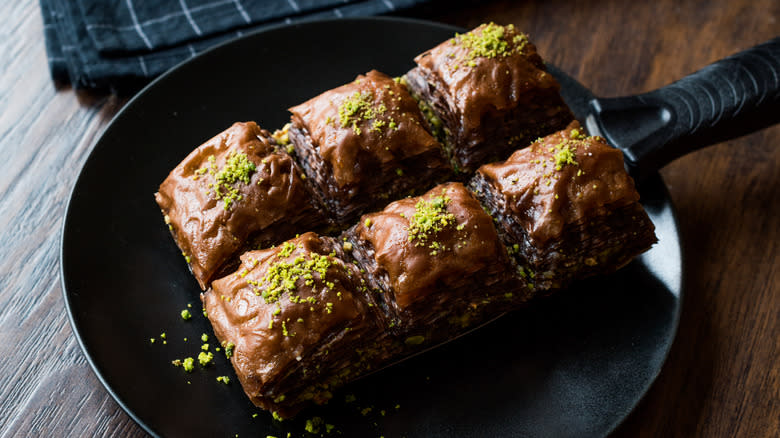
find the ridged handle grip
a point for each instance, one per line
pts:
(727, 99)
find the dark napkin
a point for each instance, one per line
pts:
(120, 45)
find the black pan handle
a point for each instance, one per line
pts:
(732, 97)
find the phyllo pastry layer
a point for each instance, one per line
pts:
(363, 144)
(237, 191)
(489, 93)
(298, 321)
(567, 207)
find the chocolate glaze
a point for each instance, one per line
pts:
(359, 166)
(492, 104)
(420, 281)
(569, 223)
(545, 199)
(269, 363)
(273, 205)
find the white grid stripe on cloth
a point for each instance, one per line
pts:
(161, 18)
(189, 18)
(143, 65)
(294, 5)
(242, 11)
(138, 29)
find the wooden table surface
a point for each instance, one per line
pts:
(722, 377)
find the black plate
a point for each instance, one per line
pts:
(573, 365)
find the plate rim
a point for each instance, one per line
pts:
(129, 106)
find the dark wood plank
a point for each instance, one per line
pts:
(721, 378)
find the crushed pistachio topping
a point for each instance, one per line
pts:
(358, 107)
(185, 314)
(282, 135)
(223, 379)
(313, 425)
(430, 216)
(489, 42)
(205, 358)
(229, 349)
(565, 155)
(575, 134)
(188, 364)
(435, 123)
(237, 169)
(282, 276)
(204, 337)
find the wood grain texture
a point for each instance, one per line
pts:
(722, 377)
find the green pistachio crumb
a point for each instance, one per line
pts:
(204, 347)
(162, 335)
(229, 349)
(237, 168)
(430, 216)
(399, 172)
(367, 223)
(564, 156)
(276, 416)
(490, 42)
(151, 340)
(283, 275)
(185, 314)
(204, 337)
(189, 364)
(205, 358)
(223, 379)
(176, 362)
(313, 425)
(347, 246)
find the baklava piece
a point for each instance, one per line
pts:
(488, 93)
(439, 261)
(296, 323)
(237, 191)
(566, 207)
(364, 144)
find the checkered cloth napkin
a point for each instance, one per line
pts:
(120, 45)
